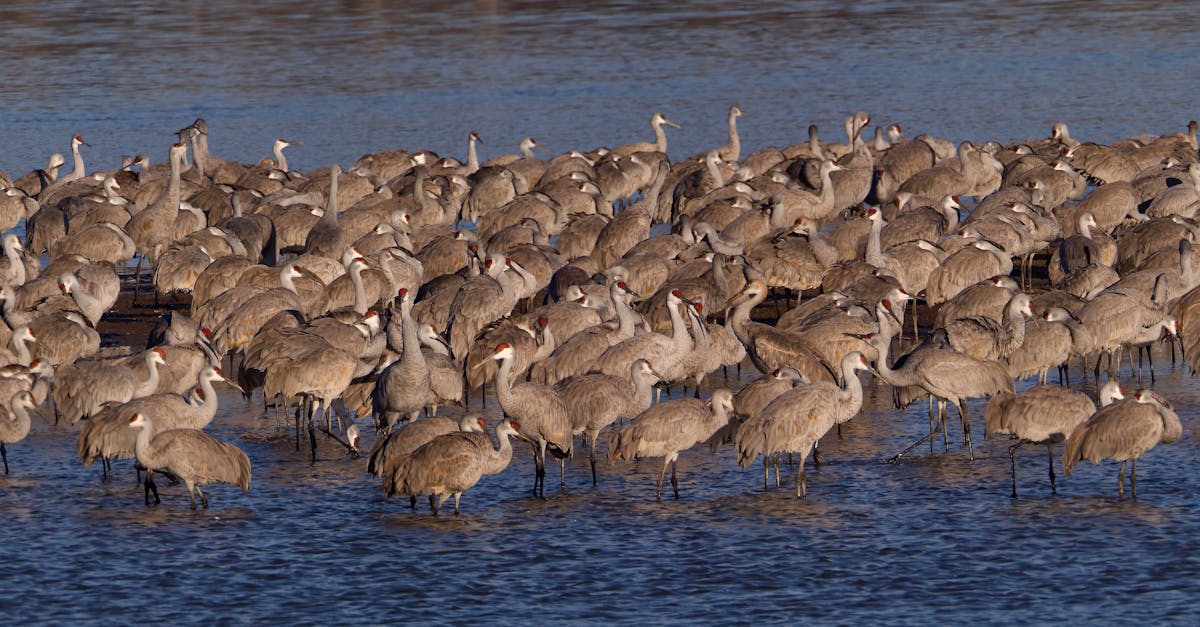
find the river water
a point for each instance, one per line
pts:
(936, 537)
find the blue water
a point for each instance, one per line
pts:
(935, 538)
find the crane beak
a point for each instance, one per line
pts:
(233, 384)
(38, 411)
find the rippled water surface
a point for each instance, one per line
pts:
(936, 537)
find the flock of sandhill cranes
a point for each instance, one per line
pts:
(408, 281)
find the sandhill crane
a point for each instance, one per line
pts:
(542, 414)
(982, 338)
(81, 388)
(732, 150)
(194, 456)
(768, 347)
(580, 352)
(971, 264)
(1123, 431)
(389, 452)
(151, 228)
(669, 428)
(326, 238)
(93, 304)
(596, 400)
(944, 373)
(104, 436)
(14, 428)
(796, 419)
(403, 389)
(480, 301)
(451, 464)
(660, 138)
(1044, 414)
(627, 228)
(1050, 340)
(756, 395)
(666, 352)
(13, 270)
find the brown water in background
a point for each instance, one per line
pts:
(935, 538)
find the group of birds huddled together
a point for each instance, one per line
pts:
(400, 285)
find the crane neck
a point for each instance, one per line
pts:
(504, 392)
(143, 447)
(874, 254)
(14, 261)
(148, 386)
(281, 162)
(360, 292)
(19, 343)
(79, 171)
(626, 320)
(472, 156)
(741, 315)
(734, 148)
(851, 396)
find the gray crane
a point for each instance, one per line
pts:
(326, 238)
(660, 138)
(192, 455)
(596, 400)
(542, 414)
(982, 338)
(104, 436)
(946, 374)
(82, 388)
(770, 348)
(389, 452)
(14, 428)
(1044, 414)
(403, 389)
(453, 463)
(796, 419)
(1123, 431)
(151, 228)
(669, 428)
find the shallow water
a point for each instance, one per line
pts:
(936, 537)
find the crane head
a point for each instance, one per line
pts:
(504, 351)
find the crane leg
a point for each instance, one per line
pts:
(1050, 457)
(4, 454)
(801, 481)
(966, 424)
(592, 454)
(105, 465)
(942, 422)
(432, 500)
(674, 480)
(932, 425)
(312, 428)
(658, 486)
(148, 487)
(412, 503)
(438, 505)
(1012, 463)
(895, 458)
(203, 499)
(1121, 481)
(775, 462)
(766, 470)
(816, 454)
(1133, 477)
(457, 495)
